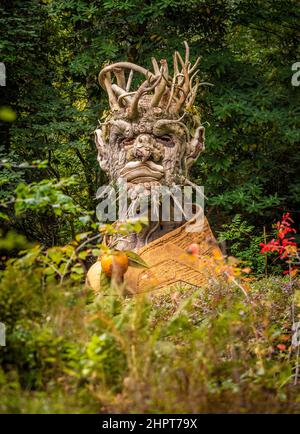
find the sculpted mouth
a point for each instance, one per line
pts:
(136, 171)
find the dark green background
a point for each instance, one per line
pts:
(53, 51)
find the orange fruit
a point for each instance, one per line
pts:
(193, 249)
(114, 262)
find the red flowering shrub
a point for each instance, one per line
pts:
(285, 244)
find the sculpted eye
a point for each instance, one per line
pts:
(125, 141)
(166, 140)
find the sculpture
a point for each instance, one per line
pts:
(152, 136)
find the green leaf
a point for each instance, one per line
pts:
(3, 216)
(135, 260)
(7, 114)
(96, 252)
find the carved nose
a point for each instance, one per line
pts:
(142, 147)
(143, 139)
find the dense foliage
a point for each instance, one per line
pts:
(53, 51)
(180, 350)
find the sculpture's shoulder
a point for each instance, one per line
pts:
(168, 260)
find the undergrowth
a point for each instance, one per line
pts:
(181, 350)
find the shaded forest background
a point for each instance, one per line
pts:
(53, 51)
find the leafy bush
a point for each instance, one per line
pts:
(242, 241)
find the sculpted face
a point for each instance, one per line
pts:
(150, 137)
(150, 150)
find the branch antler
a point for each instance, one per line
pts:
(174, 94)
(183, 90)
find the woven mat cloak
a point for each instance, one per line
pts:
(168, 261)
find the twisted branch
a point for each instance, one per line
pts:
(179, 89)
